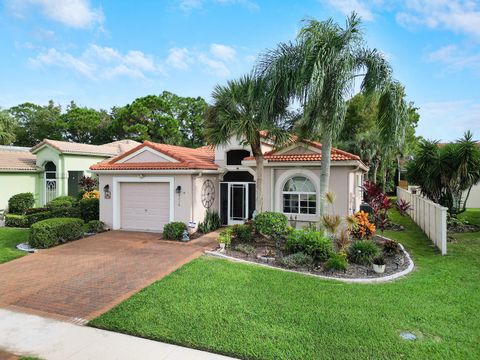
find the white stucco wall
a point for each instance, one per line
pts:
(342, 184)
(474, 197)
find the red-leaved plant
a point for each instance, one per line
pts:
(380, 203)
(88, 183)
(403, 206)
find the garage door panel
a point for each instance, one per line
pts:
(144, 206)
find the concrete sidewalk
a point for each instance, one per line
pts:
(52, 339)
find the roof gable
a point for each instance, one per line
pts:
(305, 150)
(146, 154)
(164, 157)
(66, 147)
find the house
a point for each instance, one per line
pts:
(51, 168)
(153, 184)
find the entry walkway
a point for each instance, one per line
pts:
(51, 339)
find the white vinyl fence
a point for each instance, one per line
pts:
(431, 217)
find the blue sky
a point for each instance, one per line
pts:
(106, 53)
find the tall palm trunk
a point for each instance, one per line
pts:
(259, 185)
(257, 153)
(325, 171)
(375, 170)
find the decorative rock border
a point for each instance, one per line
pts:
(382, 279)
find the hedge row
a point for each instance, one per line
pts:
(86, 209)
(50, 232)
(13, 220)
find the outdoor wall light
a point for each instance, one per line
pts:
(106, 192)
(178, 190)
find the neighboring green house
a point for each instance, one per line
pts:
(51, 168)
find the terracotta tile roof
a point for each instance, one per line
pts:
(186, 159)
(17, 161)
(111, 149)
(337, 155)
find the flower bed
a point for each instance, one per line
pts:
(255, 252)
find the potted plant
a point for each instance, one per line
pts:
(225, 238)
(379, 265)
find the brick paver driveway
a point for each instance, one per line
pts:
(85, 278)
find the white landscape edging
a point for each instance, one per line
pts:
(346, 280)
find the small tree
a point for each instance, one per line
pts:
(445, 172)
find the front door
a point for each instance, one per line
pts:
(238, 201)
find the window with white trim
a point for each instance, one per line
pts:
(299, 196)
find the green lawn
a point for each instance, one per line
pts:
(256, 313)
(9, 238)
(472, 216)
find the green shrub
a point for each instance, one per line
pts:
(211, 222)
(271, 223)
(95, 226)
(15, 220)
(243, 233)
(62, 202)
(50, 232)
(174, 230)
(336, 262)
(89, 209)
(36, 210)
(66, 212)
(39, 216)
(363, 252)
(312, 243)
(18, 203)
(296, 260)
(247, 249)
(225, 236)
(43, 214)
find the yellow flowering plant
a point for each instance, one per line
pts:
(364, 229)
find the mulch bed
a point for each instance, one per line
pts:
(394, 264)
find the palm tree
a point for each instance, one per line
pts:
(319, 71)
(7, 128)
(239, 110)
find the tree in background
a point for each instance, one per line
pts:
(445, 172)
(81, 123)
(166, 118)
(8, 126)
(36, 123)
(361, 136)
(190, 113)
(319, 71)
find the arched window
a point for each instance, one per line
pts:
(50, 181)
(299, 196)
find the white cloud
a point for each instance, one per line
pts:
(215, 60)
(250, 5)
(448, 120)
(214, 67)
(455, 58)
(179, 58)
(72, 13)
(189, 5)
(98, 62)
(53, 57)
(223, 52)
(455, 15)
(347, 6)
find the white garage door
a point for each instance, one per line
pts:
(144, 206)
